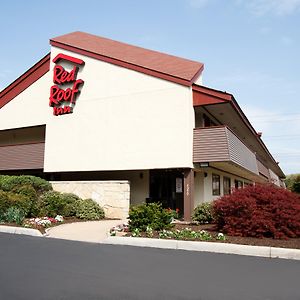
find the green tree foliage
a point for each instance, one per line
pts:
(296, 185)
(291, 179)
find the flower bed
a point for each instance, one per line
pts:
(206, 232)
(44, 222)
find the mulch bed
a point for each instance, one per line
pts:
(270, 242)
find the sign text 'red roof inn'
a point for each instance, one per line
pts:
(64, 92)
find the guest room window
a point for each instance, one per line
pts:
(215, 185)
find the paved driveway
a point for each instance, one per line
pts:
(93, 231)
(42, 269)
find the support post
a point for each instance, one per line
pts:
(188, 197)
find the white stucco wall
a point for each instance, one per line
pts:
(123, 120)
(29, 108)
(198, 188)
(203, 185)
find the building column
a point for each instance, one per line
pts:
(188, 197)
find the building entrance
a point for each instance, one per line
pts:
(166, 186)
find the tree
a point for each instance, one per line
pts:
(292, 182)
(296, 184)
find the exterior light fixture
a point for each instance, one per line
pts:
(204, 164)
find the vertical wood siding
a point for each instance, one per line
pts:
(22, 156)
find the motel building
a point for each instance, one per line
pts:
(126, 125)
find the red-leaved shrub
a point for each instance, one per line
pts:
(259, 211)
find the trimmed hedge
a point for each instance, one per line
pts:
(88, 209)
(203, 213)
(54, 203)
(259, 211)
(150, 215)
(8, 183)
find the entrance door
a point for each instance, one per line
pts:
(166, 186)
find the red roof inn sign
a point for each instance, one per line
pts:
(64, 92)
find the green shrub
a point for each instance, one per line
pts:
(203, 213)
(149, 215)
(9, 199)
(14, 214)
(26, 190)
(54, 203)
(8, 183)
(29, 192)
(88, 209)
(20, 201)
(70, 204)
(4, 203)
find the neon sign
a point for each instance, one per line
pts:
(64, 92)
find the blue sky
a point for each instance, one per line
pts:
(249, 48)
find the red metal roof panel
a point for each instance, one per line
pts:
(173, 66)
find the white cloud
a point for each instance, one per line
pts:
(276, 7)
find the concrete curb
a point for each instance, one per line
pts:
(20, 230)
(224, 248)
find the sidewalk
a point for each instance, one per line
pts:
(98, 232)
(91, 231)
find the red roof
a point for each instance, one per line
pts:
(169, 67)
(25, 80)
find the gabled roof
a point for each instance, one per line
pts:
(204, 96)
(165, 66)
(25, 80)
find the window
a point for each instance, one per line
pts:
(226, 185)
(238, 184)
(215, 185)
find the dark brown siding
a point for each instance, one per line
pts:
(210, 144)
(22, 156)
(262, 169)
(219, 144)
(240, 153)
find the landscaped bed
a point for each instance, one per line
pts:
(30, 202)
(293, 243)
(260, 215)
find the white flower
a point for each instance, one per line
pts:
(221, 236)
(59, 218)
